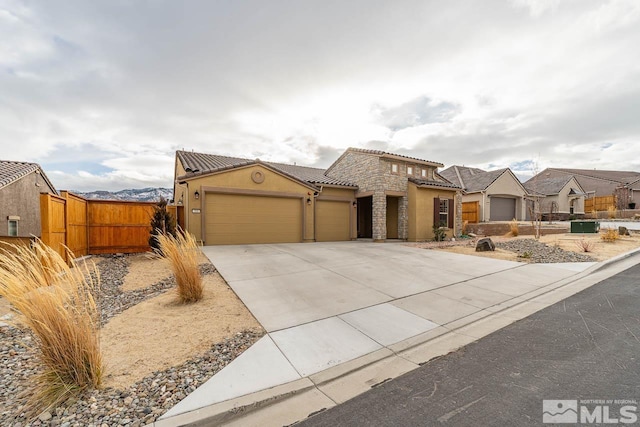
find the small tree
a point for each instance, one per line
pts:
(162, 222)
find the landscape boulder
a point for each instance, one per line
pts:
(485, 245)
(623, 231)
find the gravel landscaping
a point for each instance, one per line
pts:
(136, 405)
(534, 251)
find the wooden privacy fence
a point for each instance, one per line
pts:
(470, 212)
(94, 226)
(599, 203)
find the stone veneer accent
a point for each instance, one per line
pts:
(372, 173)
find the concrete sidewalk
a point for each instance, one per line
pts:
(334, 308)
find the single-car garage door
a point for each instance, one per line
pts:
(233, 219)
(503, 209)
(332, 221)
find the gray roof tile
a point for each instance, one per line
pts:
(547, 186)
(433, 183)
(13, 171)
(471, 179)
(201, 163)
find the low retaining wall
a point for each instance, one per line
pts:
(502, 228)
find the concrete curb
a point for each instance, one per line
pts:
(233, 410)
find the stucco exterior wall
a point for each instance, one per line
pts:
(22, 198)
(420, 212)
(507, 186)
(240, 179)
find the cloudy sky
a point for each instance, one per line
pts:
(102, 93)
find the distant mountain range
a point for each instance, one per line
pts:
(137, 195)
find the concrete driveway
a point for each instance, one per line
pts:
(286, 285)
(325, 304)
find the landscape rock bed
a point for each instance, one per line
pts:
(534, 251)
(137, 405)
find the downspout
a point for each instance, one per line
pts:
(484, 205)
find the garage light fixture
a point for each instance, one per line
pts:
(309, 201)
(355, 203)
(196, 195)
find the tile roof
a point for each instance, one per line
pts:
(597, 182)
(13, 171)
(622, 177)
(432, 183)
(547, 186)
(386, 153)
(200, 163)
(471, 180)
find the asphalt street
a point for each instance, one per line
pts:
(583, 350)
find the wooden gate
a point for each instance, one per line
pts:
(471, 212)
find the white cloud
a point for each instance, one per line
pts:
(114, 83)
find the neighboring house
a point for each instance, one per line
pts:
(561, 197)
(499, 194)
(601, 183)
(20, 186)
(230, 200)
(399, 197)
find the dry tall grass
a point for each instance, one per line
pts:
(465, 224)
(609, 235)
(56, 303)
(612, 212)
(182, 253)
(513, 228)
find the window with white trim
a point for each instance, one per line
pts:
(410, 170)
(423, 173)
(444, 212)
(395, 168)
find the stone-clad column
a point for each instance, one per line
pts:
(403, 220)
(379, 216)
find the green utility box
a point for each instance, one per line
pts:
(585, 226)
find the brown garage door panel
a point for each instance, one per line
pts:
(246, 219)
(503, 209)
(332, 221)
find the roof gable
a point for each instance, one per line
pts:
(198, 164)
(474, 180)
(11, 171)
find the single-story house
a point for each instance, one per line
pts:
(365, 193)
(499, 194)
(20, 186)
(625, 185)
(561, 197)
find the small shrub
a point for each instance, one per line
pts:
(439, 232)
(526, 255)
(465, 224)
(585, 245)
(182, 252)
(610, 235)
(513, 228)
(162, 222)
(611, 212)
(57, 305)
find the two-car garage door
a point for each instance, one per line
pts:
(233, 219)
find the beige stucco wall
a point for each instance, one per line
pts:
(564, 199)
(420, 212)
(22, 198)
(240, 179)
(507, 186)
